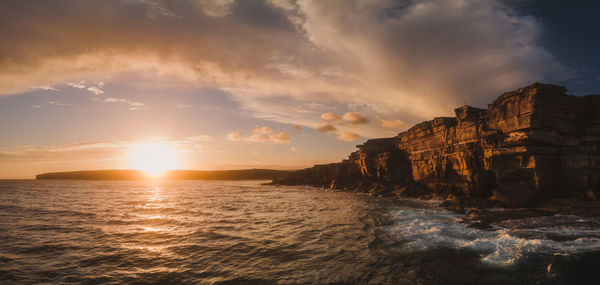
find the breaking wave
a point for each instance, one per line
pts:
(503, 244)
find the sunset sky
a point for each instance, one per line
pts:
(276, 84)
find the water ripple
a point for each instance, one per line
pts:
(194, 232)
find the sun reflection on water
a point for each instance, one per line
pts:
(153, 222)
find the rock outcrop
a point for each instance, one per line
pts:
(535, 142)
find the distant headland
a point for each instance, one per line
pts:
(534, 143)
(243, 174)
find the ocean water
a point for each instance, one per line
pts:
(204, 232)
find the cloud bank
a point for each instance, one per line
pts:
(284, 60)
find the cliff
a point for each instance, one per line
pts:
(535, 142)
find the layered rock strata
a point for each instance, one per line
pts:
(535, 142)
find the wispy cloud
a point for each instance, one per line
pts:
(200, 138)
(183, 106)
(132, 104)
(45, 87)
(262, 130)
(55, 103)
(234, 136)
(80, 84)
(280, 137)
(262, 134)
(391, 124)
(95, 90)
(69, 152)
(347, 136)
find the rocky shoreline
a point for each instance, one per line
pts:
(536, 148)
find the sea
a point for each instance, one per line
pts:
(243, 232)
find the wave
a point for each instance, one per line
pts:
(504, 244)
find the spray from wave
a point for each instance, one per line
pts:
(505, 244)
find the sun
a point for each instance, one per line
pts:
(153, 158)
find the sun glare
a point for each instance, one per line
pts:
(153, 158)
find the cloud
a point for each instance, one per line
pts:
(329, 128)
(36, 106)
(293, 148)
(200, 138)
(330, 117)
(80, 84)
(258, 137)
(132, 104)
(280, 137)
(215, 8)
(262, 130)
(234, 136)
(70, 152)
(59, 104)
(183, 106)
(347, 136)
(262, 134)
(391, 124)
(45, 87)
(297, 128)
(355, 118)
(95, 90)
(405, 59)
(197, 142)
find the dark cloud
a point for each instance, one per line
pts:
(355, 118)
(327, 128)
(101, 36)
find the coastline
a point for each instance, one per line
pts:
(530, 148)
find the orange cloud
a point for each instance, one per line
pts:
(391, 124)
(262, 134)
(347, 136)
(326, 128)
(234, 136)
(355, 118)
(330, 117)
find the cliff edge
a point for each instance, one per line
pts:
(533, 143)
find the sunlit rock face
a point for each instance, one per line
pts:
(535, 142)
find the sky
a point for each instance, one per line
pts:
(263, 83)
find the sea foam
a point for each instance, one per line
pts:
(504, 244)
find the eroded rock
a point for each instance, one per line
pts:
(535, 142)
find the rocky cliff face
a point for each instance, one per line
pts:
(535, 142)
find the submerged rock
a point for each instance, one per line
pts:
(535, 142)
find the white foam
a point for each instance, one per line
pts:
(423, 229)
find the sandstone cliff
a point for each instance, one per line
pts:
(535, 142)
